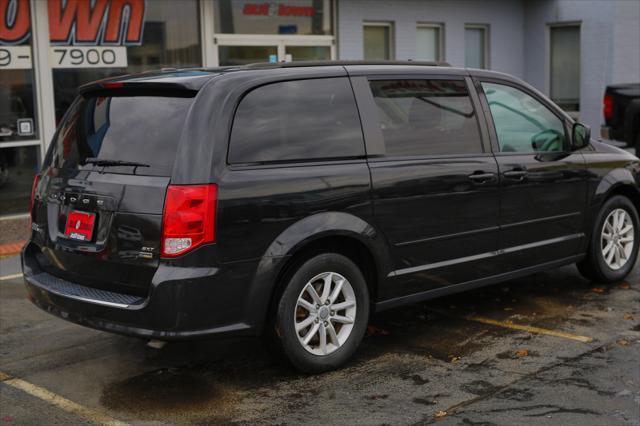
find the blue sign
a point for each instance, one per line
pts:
(287, 29)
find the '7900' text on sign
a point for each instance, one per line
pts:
(88, 56)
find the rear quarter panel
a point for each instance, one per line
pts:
(256, 205)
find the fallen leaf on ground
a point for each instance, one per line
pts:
(623, 342)
(372, 330)
(375, 397)
(598, 290)
(520, 353)
(628, 317)
(441, 414)
(625, 286)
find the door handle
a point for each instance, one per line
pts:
(516, 174)
(482, 177)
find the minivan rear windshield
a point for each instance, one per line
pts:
(113, 133)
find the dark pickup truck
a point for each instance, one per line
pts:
(621, 110)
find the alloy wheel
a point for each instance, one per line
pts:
(617, 239)
(325, 313)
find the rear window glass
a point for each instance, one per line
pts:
(297, 120)
(138, 129)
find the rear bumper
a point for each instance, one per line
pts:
(183, 303)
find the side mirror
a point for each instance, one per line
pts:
(580, 136)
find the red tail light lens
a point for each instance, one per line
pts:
(34, 186)
(607, 107)
(189, 218)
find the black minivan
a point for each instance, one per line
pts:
(293, 200)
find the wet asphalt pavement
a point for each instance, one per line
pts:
(426, 363)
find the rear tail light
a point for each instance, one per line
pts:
(189, 218)
(607, 107)
(34, 186)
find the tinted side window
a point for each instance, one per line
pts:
(297, 120)
(522, 123)
(426, 117)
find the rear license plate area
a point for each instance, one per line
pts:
(80, 225)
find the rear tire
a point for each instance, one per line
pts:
(326, 304)
(613, 248)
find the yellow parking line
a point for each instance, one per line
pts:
(10, 277)
(530, 329)
(59, 401)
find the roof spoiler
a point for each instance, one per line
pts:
(185, 83)
(119, 88)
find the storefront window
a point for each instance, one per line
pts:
(18, 165)
(308, 53)
(143, 35)
(242, 55)
(296, 17)
(17, 90)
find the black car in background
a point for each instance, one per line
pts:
(621, 111)
(294, 200)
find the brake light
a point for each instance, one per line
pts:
(607, 107)
(113, 85)
(189, 218)
(34, 186)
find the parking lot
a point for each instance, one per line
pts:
(551, 349)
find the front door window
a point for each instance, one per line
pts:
(522, 123)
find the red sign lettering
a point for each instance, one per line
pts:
(15, 21)
(273, 9)
(110, 22)
(284, 10)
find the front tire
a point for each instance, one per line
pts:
(322, 314)
(613, 248)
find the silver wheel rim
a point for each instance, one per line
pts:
(325, 313)
(617, 239)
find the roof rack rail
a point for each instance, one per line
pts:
(345, 62)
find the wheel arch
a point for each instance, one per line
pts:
(629, 191)
(589, 266)
(619, 181)
(337, 232)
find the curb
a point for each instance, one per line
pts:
(10, 249)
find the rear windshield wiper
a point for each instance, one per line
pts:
(114, 163)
